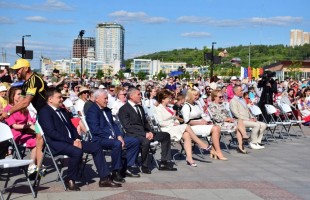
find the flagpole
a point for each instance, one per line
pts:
(250, 54)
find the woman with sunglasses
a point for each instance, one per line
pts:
(222, 118)
(194, 116)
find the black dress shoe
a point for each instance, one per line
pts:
(108, 183)
(146, 170)
(117, 177)
(130, 174)
(166, 167)
(70, 184)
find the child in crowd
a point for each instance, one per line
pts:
(177, 107)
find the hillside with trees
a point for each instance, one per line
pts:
(260, 56)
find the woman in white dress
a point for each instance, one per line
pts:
(168, 123)
(193, 116)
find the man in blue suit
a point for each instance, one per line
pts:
(63, 139)
(108, 135)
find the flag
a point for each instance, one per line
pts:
(245, 72)
(249, 72)
(241, 72)
(261, 71)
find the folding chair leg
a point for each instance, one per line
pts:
(28, 180)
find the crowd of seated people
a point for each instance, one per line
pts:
(117, 118)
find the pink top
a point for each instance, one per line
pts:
(17, 118)
(230, 92)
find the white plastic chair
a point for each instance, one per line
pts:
(271, 111)
(6, 134)
(271, 127)
(287, 110)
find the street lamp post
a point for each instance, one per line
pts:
(23, 45)
(212, 59)
(81, 43)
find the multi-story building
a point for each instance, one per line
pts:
(110, 43)
(299, 37)
(152, 67)
(80, 46)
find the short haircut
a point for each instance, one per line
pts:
(110, 86)
(50, 92)
(214, 94)
(130, 91)
(180, 97)
(99, 92)
(163, 95)
(235, 88)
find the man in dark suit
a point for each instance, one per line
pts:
(132, 117)
(63, 139)
(109, 136)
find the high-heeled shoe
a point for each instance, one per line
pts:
(214, 155)
(243, 151)
(207, 149)
(191, 164)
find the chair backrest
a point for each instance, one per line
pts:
(285, 107)
(6, 132)
(226, 105)
(270, 109)
(255, 110)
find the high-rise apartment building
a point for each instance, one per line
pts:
(79, 48)
(299, 37)
(110, 42)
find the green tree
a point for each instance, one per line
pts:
(86, 72)
(187, 76)
(161, 74)
(294, 70)
(141, 75)
(110, 70)
(99, 74)
(120, 74)
(77, 72)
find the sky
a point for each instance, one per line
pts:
(150, 25)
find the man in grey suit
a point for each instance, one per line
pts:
(134, 122)
(241, 111)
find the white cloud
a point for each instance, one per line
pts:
(40, 19)
(125, 16)
(6, 20)
(196, 34)
(36, 19)
(47, 6)
(274, 21)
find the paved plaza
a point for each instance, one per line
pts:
(280, 171)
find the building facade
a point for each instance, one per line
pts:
(152, 67)
(81, 46)
(110, 43)
(299, 37)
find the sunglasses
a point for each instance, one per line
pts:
(123, 94)
(221, 97)
(111, 90)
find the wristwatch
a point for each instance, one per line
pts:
(8, 113)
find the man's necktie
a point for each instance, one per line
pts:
(139, 113)
(64, 121)
(109, 123)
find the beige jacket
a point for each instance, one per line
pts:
(238, 110)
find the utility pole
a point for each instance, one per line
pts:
(212, 59)
(81, 43)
